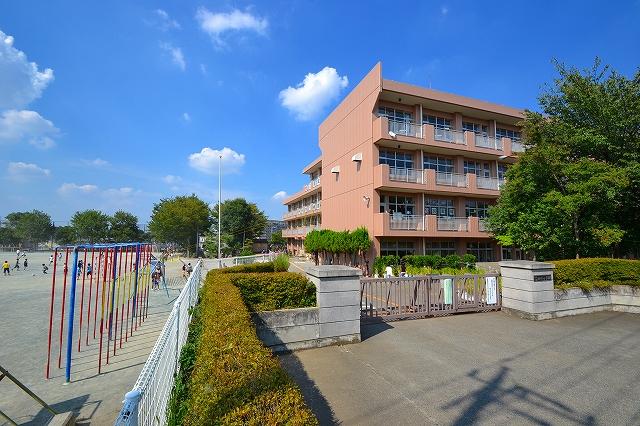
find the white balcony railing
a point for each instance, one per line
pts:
(406, 222)
(458, 224)
(517, 146)
(405, 175)
(482, 225)
(484, 141)
(314, 182)
(313, 207)
(405, 128)
(449, 136)
(300, 231)
(452, 179)
(489, 183)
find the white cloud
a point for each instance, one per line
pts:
(97, 162)
(24, 171)
(203, 69)
(20, 80)
(186, 117)
(314, 93)
(206, 160)
(217, 24)
(171, 179)
(444, 10)
(164, 21)
(280, 195)
(27, 126)
(71, 188)
(177, 57)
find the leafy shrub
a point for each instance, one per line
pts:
(453, 261)
(590, 273)
(380, 263)
(234, 378)
(249, 268)
(279, 290)
(281, 263)
(427, 264)
(469, 260)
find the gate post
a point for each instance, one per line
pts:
(527, 289)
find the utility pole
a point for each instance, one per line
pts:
(219, 204)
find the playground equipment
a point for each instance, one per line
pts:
(114, 281)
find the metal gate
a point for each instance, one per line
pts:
(388, 299)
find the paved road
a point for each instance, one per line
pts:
(486, 368)
(24, 310)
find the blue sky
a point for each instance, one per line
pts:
(116, 107)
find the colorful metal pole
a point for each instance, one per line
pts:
(93, 252)
(72, 307)
(135, 290)
(53, 292)
(84, 265)
(65, 269)
(104, 281)
(115, 335)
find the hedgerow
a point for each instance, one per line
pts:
(234, 378)
(279, 290)
(248, 268)
(598, 273)
(428, 264)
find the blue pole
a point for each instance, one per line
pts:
(72, 305)
(113, 289)
(135, 287)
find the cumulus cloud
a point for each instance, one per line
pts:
(24, 171)
(164, 21)
(206, 160)
(20, 80)
(171, 179)
(72, 188)
(217, 24)
(27, 126)
(314, 93)
(280, 195)
(177, 57)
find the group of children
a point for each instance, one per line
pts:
(6, 267)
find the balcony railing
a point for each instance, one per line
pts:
(304, 209)
(482, 225)
(459, 224)
(405, 128)
(406, 222)
(405, 175)
(449, 136)
(315, 182)
(517, 146)
(451, 179)
(300, 231)
(484, 141)
(489, 183)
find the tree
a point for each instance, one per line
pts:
(178, 220)
(124, 227)
(241, 221)
(277, 239)
(30, 227)
(576, 190)
(90, 226)
(65, 236)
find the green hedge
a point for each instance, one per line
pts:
(596, 273)
(278, 290)
(433, 263)
(249, 268)
(234, 379)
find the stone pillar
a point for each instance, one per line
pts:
(338, 300)
(527, 289)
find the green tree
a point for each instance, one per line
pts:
(31, 227)
(241, 221)
(576, 190)
(277, 239)
(65, 236)
(91, 226)
(124, 227)
(178, 220)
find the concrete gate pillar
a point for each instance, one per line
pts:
(527, 288)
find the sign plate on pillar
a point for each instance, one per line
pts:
(491, 287)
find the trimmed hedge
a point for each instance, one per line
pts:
(234, 378)
(278, 290)
(592, 273)
(248, 268)
(432, 263)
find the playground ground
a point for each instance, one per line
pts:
(24, 316)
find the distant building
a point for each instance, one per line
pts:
(272, 226)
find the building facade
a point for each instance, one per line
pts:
(417, 167)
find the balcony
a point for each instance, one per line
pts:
(309, 208)
(406, 175)
(517, 146)
(449, 136)
(308, 189)
(489, 183)
(456, 224)
(405, 128)
(298, 232)
(484, 141)
(400, 225)
(406, 222)
(452, 179)
(482, 225)
(315, 182)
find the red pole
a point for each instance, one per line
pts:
(104, 280)
(146, 310)
(128, 330)
(124, 291)
(146, 285)
(95, 313)
(84, 264)
(109, 325)
(53, 292)
(65, 269)
(93, 252)
(115, 337)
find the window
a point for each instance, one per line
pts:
(502, 170)
(400, 160)
(478, 168)
(395, 114)
(476, 208)
(481, 129)
(397, 248)
(483, 251)
(439, 164)
(441, 248)
(397, 204)
(506, 133)
(437, 122)
(439, 207)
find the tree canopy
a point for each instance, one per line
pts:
(29, 227)
(91, 226)
(124, 227)
(242, 221)
(576, 190)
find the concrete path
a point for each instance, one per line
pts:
(487, 368)
(97, 399)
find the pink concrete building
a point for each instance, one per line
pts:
(417, 167)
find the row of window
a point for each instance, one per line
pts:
(404, 160)
(483, 251)
(445, 123)
(305, 202)
(441, 207)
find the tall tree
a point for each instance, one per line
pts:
(124, 227)
(179, 219)
(30, 227)
(576, 190)
(241, 221)
(65, 236)
(90, 226)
